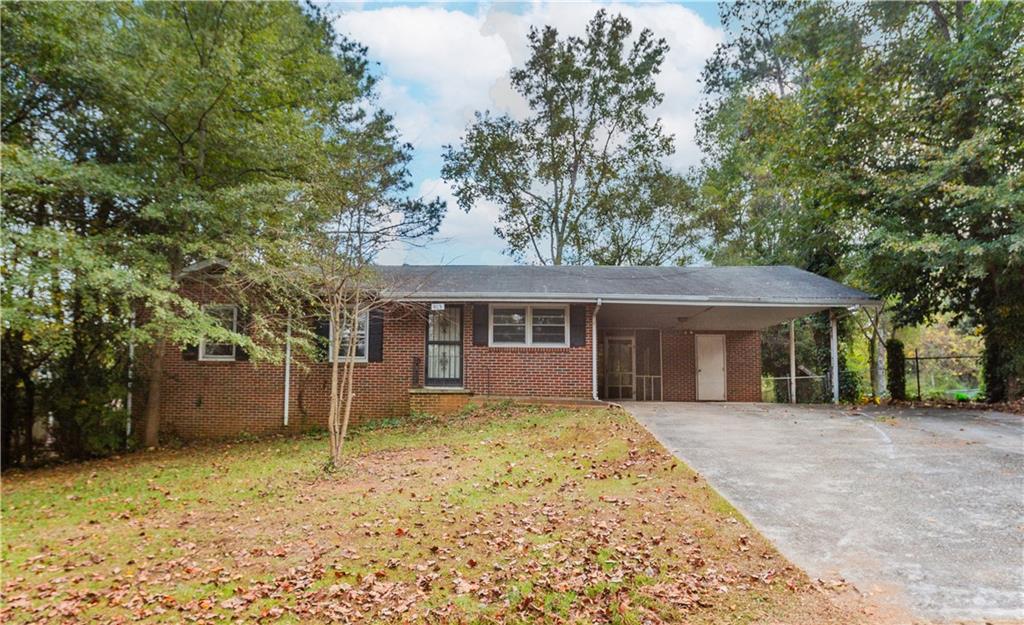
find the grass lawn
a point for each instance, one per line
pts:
(506, 514)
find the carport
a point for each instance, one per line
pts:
(691, 346)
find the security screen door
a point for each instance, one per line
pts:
(444, 347)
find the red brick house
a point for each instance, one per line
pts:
(457, 332)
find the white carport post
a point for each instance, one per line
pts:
(792, 362)
(834, 352)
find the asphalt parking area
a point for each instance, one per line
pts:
(922, 509)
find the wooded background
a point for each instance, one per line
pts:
(879, 144)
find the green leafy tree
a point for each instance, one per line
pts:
(230, 96)
(139, 138)
(859, 141)
(582, 178)
(360, 195)
(947, 226)
(67, 300)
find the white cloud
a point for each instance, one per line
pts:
(436, 62)
(440, 65)
(464, 238)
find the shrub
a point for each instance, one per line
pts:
(896, 369)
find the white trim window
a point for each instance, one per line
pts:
(361, 337)
(519, 325)
(227, 316)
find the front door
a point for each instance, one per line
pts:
(619, 368)
(444, 347)
(710, 367)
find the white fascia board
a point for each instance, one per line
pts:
(669, 300)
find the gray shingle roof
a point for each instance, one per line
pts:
(770, 285)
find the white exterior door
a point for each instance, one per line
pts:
(710, 367)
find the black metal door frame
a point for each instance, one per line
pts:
(449, 382)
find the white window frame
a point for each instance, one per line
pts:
(234, 328)
(529, 325)
(364, 320)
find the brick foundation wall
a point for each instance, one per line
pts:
(441, 403)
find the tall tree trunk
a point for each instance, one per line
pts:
(996, 366)
(349, 373)
(151, 416)
(18, 402)
(879, 363)
(10, 401)
(27, 448)
(8, 418)
(333, 415)
(872, 371)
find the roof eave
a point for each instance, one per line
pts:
(634, 299)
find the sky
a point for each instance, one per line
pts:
(439, 63)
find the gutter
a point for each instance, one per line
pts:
(667, 300)
(593, 354)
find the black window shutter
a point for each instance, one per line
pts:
(481, 319)
(322, 329)
(190, 352)
(375, 336)
(577, 325)
(244, 321)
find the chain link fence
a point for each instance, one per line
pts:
(944, 376)
(949, 377)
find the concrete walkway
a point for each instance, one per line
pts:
(921, 509)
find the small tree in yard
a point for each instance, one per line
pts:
(896, 363)
(359, 192)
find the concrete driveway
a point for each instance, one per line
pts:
(921, 509)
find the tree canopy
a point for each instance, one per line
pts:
(141, 137)
(582, 178)
(864, 142)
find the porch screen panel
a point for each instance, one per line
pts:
(619, 372)
(648, 365)
(444, 347)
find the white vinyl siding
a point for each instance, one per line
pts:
(517, 325)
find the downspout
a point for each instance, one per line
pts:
(287, 367)
(593, 355)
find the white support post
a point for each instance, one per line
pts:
(834, 352)
(287, 367)
(792, 362)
